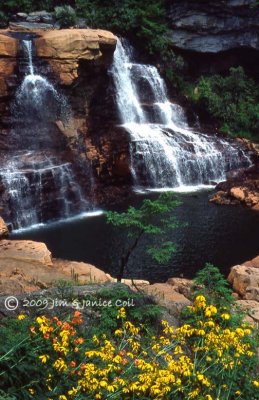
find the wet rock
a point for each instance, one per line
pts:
(238, 193)
(240, 188)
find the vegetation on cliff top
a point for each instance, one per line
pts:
(230, 101)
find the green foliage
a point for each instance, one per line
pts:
(138, 19)
(65, 15)
(3, 20)
(232, 100)
(211, 283)
(153, 217)
(17, 358)
(5, 396)
(10, 7)
(140, 309)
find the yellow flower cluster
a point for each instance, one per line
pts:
(175, 365)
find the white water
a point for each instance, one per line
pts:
(38, 184)
(165, 152)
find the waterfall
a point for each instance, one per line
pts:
(165, 152)
(27, 44)
(37, 178)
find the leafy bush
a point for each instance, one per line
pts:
(138, 19)
(10, 7)
(211, 283)
(204, 360)
(3, 20)
(65, 15)
(232, 100)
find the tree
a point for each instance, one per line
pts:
(152, 218)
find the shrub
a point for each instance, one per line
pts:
(231, 100)
(205, 360)
(141, 20)
(65, 15)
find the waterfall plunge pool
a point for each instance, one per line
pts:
(222, 235)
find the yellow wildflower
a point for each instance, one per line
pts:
(225, 316)
(21, 317)
(44, 358)
(121, 313)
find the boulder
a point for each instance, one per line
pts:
(3, 229)
(238, 193)
(252, 308)
(181, 285)
(64, 49)
(19, 253)
(166, 296)
(243, 279)
(27, 266)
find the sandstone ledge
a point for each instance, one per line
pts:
(64, 49)
(27, 266)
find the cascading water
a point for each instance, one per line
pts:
(39, 183)
(165, 152)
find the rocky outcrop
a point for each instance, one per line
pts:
(244, 279)
(8, 53)
(240, 189)
(3, 229)
(76, 62)
(166, 296)
(27, 266)
(64, 49)
(15, 253)
(212, 27)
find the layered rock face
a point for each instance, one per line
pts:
(209, 28)
(76, 62)
(8, 53)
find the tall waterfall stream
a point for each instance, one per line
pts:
(165, 151)
(39, 184)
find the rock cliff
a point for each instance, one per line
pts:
(64, 49)
(214, 26)
(76, 62)
(210, 28)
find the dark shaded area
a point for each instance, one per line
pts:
(224, 236)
